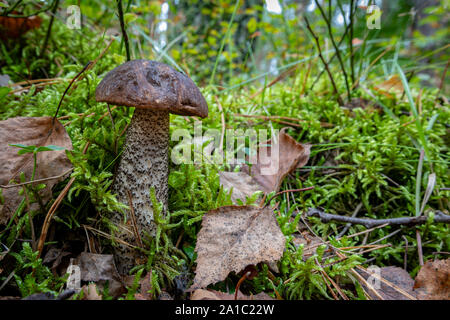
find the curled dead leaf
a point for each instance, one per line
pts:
(234, 237)
(433, 281)
(12, 27)
(276, 159)
(31, 132)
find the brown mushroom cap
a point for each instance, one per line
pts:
(153, 85)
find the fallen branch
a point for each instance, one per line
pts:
(439, 217)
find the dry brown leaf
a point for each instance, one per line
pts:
(201, 294)
(11, 27)
(396, 276)
(291, 155)
(233, 237)
(391, 86)
(242, 184)
(433, 281)
(37, 132)
(91, 292)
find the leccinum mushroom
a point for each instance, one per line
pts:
(155, 90)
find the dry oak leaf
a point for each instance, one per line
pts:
(201, 294)
(30, 131)
(231, 238)
(433, 281)
(275, 160)
(241, 184)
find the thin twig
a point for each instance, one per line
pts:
(439, 217)
(122, 27)
(316, 38)
(405, 256)
(49, 29)
(336, 48)
(419, 247)
(35, 181)
(68, 87)
(348, 225)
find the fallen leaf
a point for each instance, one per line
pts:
(233, 237)
(91, 293)
(37, 132)
(241, 183)
(201, 294)
(275, 160)
(397, 276)
(96, 267)
(12, 28)
(433, 281)
(390, 87)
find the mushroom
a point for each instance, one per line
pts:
(155, 90)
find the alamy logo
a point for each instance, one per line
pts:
(374, 18)
(73, 17)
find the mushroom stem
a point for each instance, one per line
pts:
(144, 164)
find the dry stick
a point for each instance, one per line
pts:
(336, 48)
(122, 27)
(439, 217)
(53, 209)
(365, 231)
(108, 236)
(316, 38)
(285, 191)
(49, 30)
(348, 225)
(329, 61)
(68, 87)
(29, 82)
(352, 64)
(133, 220)
(419, 247)
(405, 256)
(338, 289)
(38, 180)
(335, 297)
(36, 85)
